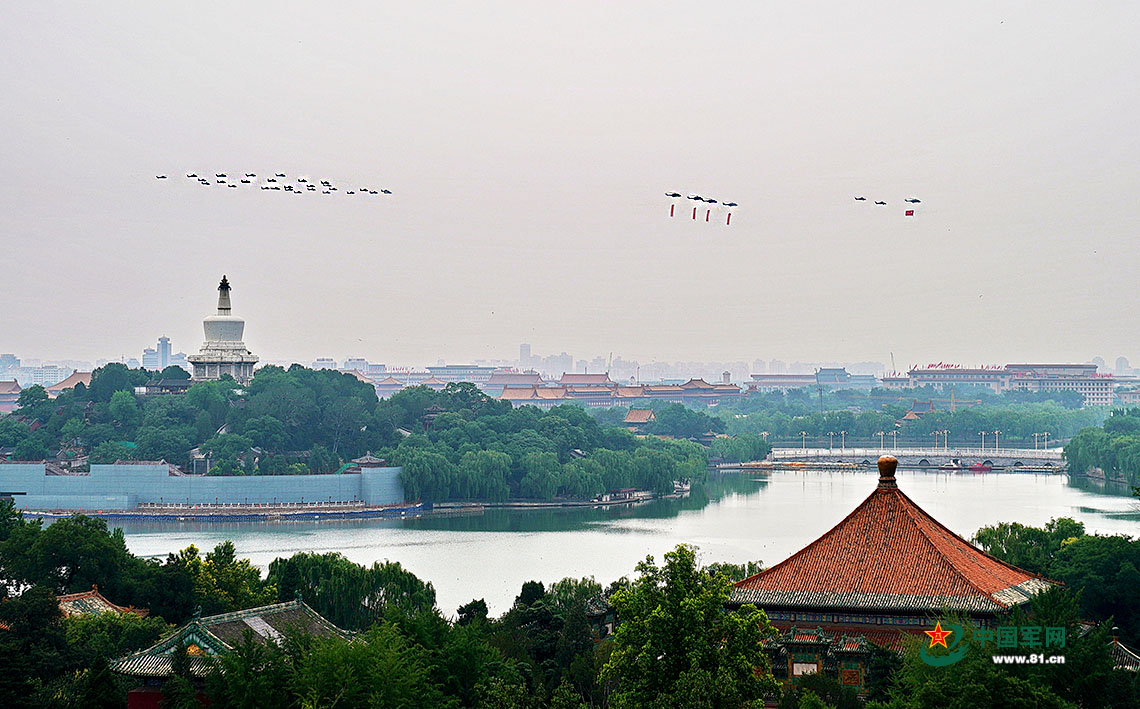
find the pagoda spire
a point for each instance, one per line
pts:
(224, 297)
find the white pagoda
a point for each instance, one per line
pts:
(223, 352)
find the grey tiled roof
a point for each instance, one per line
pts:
(216, 635)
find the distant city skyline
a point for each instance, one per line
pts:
(553, 364)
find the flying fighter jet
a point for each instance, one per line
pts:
(673, 194)
(883, 203)
(860, 199)
(913, 200)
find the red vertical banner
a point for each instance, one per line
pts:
(671, 208)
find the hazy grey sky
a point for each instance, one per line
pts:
(528, 146)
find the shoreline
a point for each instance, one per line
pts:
(208, 513)
(316, 511)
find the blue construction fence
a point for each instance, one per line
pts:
(125, 486)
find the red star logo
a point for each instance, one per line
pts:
(938, 635)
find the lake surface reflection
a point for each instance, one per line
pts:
(739, 518)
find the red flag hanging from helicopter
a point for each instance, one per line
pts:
(702, 207)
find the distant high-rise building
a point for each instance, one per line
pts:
(150, 359)
(759, 367)
(45, 375)
(777, 367)
(9, 361)
(179, 360)
(132, 363)
(524, 355)
(163, 352)
(324, 363)
(1099, 362)
(1122, 367)
(358, 363)
(375, 371)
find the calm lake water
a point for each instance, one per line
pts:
(746, 517)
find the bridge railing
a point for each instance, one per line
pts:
(1025, 454)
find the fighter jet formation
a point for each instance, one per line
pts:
(279, 182)
(707, 204)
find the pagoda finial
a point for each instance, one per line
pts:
(224, 307)
(887, 466)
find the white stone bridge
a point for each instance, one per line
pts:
(1011, 458)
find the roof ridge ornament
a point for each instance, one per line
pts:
(887, 466)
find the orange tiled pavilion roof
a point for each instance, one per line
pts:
(890, 555)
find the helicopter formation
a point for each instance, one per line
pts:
(711, 205)
(883, 203)
(279, 182)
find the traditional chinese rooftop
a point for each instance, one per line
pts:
(1123, 658)
(93, 603)
(586, 379)
(218, 634)
(889, 555)
(83, 378)
(640, 416)
(515, 379)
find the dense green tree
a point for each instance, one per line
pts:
(680, 421)
(735, 572)
(676, 644)
(350, 595)
(254, 675)
(124, 409)
(72, 555)
(108, 452)
(380, 669)
(173, 371)
(113, 377)
(34, 447)
(31, 398)
(1029, 548)
(111, 634)
(33, 649)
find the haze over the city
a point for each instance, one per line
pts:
(528, 149)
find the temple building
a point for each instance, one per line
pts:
(213, 636)
(887, 570)
(223, 352)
